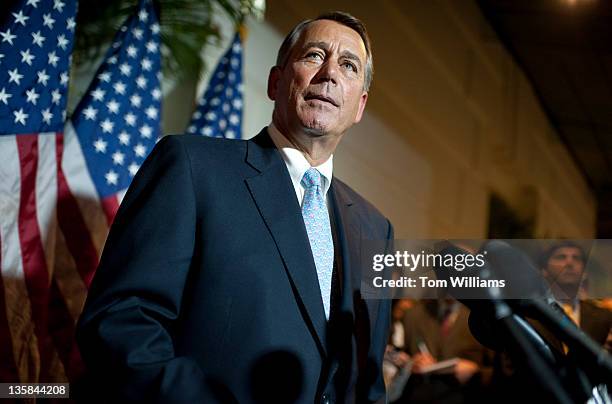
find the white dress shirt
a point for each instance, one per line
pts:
(297, 164)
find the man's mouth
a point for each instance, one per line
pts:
(324, 98)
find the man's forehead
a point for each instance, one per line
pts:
(568, 250)
(331, 32)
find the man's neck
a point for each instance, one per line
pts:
(565, 294)
(316, 149)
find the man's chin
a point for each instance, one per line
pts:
(315, 131)
(317, 123)
(315, 127)
(320, 126)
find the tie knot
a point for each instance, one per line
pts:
(311, 178)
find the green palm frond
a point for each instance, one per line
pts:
(186, 27)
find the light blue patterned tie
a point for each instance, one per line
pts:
(316, 219)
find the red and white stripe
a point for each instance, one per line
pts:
(52, 230)
(97, 213)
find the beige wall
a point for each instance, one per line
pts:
(450, 119)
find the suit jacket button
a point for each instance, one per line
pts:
(325, 399)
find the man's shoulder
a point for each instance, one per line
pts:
(596, 308)
(202, 149)
(203, 142)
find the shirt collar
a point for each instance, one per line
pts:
(297, 163)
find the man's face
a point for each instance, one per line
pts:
(565, 266)
(320, 89)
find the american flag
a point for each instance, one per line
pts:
(110, 133)
(118, 120)
(35, 46)
(59, 191)
(219, 109)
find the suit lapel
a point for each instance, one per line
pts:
(272, 192)
(351, 234)
(348, 234)
(347, 332)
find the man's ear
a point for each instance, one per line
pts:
(273, 79)
(362, 103)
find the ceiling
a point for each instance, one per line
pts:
(565, 49)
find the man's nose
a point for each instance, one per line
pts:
(328, 72)
(571, 263)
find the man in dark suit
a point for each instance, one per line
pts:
(564, 268)
(232, 271)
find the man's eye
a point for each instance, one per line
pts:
(349, 66)
(314, 55)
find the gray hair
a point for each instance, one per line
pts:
(339, 17)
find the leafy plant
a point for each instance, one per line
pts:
(185, 25)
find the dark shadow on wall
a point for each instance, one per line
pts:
(506, 222)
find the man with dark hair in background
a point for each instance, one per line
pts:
(563, 267)
(232, 270)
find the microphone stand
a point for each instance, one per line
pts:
(523, 339)
(536, 361)
(589, 356)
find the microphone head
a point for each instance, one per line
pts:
(523, 281)
(464, 281)
(504, 265)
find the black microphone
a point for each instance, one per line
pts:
(526, 293)
(475, 298)
(488, 333)
(523, 280)
(488, 303)
(511, 264)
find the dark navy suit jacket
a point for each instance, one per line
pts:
(207, 290)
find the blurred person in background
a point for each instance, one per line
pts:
(395, 357)
(563, 266)
(435, 331)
